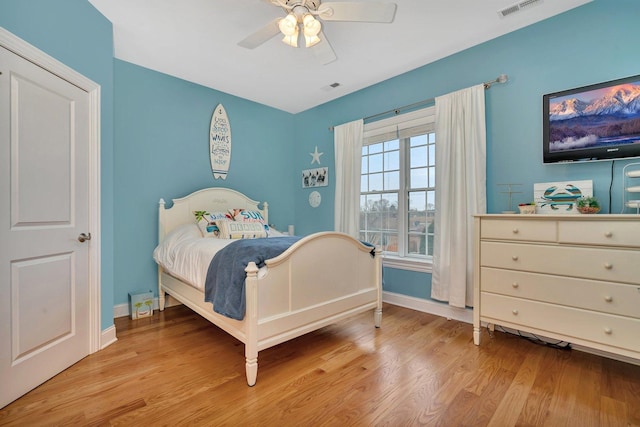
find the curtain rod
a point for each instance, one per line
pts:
(502, 78)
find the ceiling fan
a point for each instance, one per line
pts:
(302, 26)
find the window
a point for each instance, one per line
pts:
(397, 190)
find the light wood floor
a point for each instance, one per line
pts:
(418, 369)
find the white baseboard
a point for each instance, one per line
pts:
(419, 304)
(124, 310)
(428, 306)
(108, 337)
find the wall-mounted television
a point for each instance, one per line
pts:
(596, 122)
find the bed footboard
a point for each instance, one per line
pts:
(320, 280)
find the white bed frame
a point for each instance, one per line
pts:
(321, 279)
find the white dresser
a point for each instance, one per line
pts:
(574, 278)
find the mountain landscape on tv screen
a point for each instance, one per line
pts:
(610, 119)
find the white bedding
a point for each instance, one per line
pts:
(185, 254)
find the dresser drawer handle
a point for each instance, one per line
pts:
(608, 234)
(515, 312)
(608, 265)
(515, 285)
(608, 331)
(608, 298)
(514, 257)
(516, 231)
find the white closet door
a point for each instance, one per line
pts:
(44, 207)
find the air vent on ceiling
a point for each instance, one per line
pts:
(331, 86)
(518, 7)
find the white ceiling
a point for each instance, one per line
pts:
(196, 40)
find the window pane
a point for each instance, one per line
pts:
(392, 180)
(375, 182)
(364, 183)
(432, 176)
(431, 200)
(379, 219)
(419, 156)
(365, 165)
(417, 244)
(390, 242)
(392, 145)
(417, 223)
(392, 202)
(429, 236)
(419, 178)
(375, 148)
(392, 160)
(417, 201)
(432, 138)
(432, 155)
(375, 163)
(418, 140)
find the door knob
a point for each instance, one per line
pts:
(83, 237)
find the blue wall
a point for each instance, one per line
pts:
(76, 34)
(162, 151)
(156, 144)
(593, 43)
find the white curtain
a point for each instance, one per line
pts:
(461, 192)
(348, 154)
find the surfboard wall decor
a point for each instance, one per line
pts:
(220, 142)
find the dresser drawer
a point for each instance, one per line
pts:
(606, 329)
(519, 230)
(612, 265)
(608, 233)
(613, 298)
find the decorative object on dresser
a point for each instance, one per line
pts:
(509, 191)
(527, 208)
(565, 277)
(560, 197)
(588, 205)
(631, 187)
(320, 279)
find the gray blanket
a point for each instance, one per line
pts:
(224, 286)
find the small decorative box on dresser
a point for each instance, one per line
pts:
(574, 278)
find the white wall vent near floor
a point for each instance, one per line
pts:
(518, 7)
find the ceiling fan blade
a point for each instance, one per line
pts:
(323, 50)
(261, 36)
(357, 12)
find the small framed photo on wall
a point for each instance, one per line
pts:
(318, 177)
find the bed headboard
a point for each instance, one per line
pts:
(215, 199)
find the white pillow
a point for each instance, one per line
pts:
(165, 252)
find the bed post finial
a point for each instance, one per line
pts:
(265, 209)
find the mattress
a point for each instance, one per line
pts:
(186, 255)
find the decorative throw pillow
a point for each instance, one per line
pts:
(249, 216)
(240, 230)
(209, 223)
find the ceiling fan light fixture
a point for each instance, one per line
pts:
(291, 40)
(311, 25)
(288, 25)
(311, 40)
